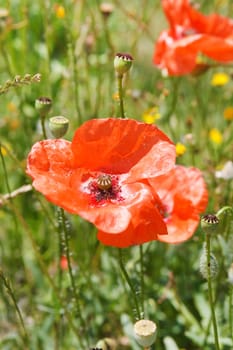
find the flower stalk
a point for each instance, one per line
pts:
(142, 278)
(120, 94)
(128, 280)
(210, 288)
(65, 242)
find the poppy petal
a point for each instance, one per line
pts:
(114, 146)
(184, 196)
(146, 225)
(190, 34)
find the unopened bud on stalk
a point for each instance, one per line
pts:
(122, 63)
(209, 223)
(145, 332)
(43, 105)
(58, 126)
(106, 9)
(4, 16)
(204, 265)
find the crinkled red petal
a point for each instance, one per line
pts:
(115, 146)
(183, 193)
(177, 52)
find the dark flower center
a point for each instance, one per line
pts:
(104, 189)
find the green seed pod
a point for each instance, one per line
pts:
(43, 105)
(145, 332)
(122, 63)
(204, 265)
(58, 126)
(209, 223)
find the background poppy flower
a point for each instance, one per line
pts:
(192, 33)
(124, 152)
(184, 196)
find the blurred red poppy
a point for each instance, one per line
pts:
(102, 175)
(184, 196)
(64, 263)
(190, 34)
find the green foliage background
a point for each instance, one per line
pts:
(74, 56)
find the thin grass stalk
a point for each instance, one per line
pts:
(11, 293)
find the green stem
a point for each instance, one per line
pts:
(120, 93)
(142, 278)
(211, 301)
(231, 311)
(129, 283)
(42, 119)
(71, 274)
(12, 296)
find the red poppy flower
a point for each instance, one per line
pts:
(102, 176)
(192, 33)
(184, 196)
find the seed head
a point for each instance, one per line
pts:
(104, 182)
(122, 63)
(145, 332)
(58, 126)
(43, 105)
(209, 223)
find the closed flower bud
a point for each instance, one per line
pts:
(58, 126)
(204, 265)
(209, 223)
(145, 332)
(122, 63)
(106, 344)
(106, 9)
(43, 105)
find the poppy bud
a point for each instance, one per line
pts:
(230, 274)
(106, 9)
(106, 344)
(122, 63)
(43, 105)
(145, 332)
(204, 265)
(4, 16)
(209, 223)
(58, 126)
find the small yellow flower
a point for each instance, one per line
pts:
(215, 136)
(4, 150)
(11, 106)
(151, 115)
(59, 11)
(180, 149)
(116, 97)
(220, 79)
(228, 113)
